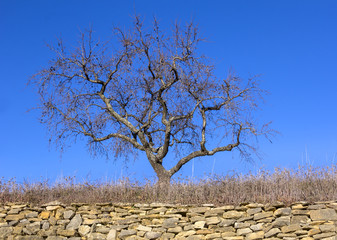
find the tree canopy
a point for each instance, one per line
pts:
(149, 90)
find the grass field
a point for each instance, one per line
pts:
(285, 185)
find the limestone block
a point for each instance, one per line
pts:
(5, 232)
(127, 233)
(75, 222)
(323, 215)
(153, 235)
(233, 215)
(272, 232)
(255, 236)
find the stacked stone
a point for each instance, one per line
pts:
(56, 221)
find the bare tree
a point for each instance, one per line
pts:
(153, 92)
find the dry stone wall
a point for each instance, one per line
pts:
(55, 221)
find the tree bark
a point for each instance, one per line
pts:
(164, 179)
(164, 176)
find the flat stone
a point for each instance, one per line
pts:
(33, 228)
(14, 211)
(227, 207)
(243, 231)
(302, 219)
(45, 214)
(257, 227)
(327, 228)
(144, 228)
(25, 238)
(186, 233)
(323, 214)
(199, 209)
(215, 211)
(212, 220)
(291, 228)
(286, 235)
(259, 216)
(96, 236)
(52, 208)
(63, 222)
(232, 215)
(213, 236)
(324, 235)
(272, 232)
(233, 238)
(68, 214)
(153, 235)
(316, 206)
(127, 233)
(17, 230)
(4, 224)
(300, 212)
(282, 212)
(301, 232)
(195, 237)
(241, 208)
(199, 224)
(314, 231)
(204, 231)
(227, 223)
(188, 227)
(170, 222)
(66, 233)
(315, 223)
(281, 221)
(83, 230)
(119, 227)
(176, 229)
(197, 218)
(89, 221)
(245, 219)
(15, 217)
(19, 206)
(255, 236)
(241, 225)
(55, 238)
(31, 215)
(142, 205)
(127, 221)
(299, 206)
(112, 235)
(228, 234)
(160, 210)
(14, 223)
(75, 222)
(253, 211)
(5, 232)
(167, 236)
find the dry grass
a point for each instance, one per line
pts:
(286, 185)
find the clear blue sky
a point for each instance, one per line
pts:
(292, 44)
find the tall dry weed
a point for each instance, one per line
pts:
(286, 185)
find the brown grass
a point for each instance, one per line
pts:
(286, 185)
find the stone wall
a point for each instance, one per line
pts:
(55, 221)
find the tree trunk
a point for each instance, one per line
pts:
(164, 176)
(162, 186)
(164, 179)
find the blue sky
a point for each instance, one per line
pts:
(292, 44)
